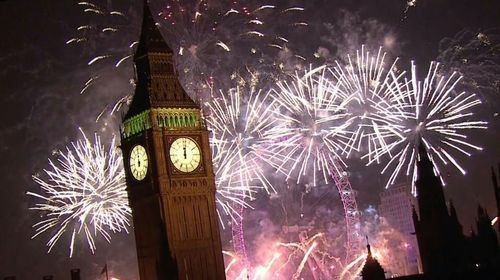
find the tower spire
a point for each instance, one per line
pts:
(157, 80)
(430, 194)
(372, 270)
(368, 247)
(151, 39)
(437, 233)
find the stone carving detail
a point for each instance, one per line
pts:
(177, 118)
(190, 186)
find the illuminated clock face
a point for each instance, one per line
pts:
(138, 162)
(185, 154)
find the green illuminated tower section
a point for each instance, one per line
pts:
(169, 171)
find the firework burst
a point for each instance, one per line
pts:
(434, 113)
(310, 136)
(220, 36)
(373, 84)
(311, 126)
(291, 260)
(238, 120)
(83, 194)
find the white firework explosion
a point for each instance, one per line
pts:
(434, 113)
(373, 84)
(83, 194)
(311, 130)
(238, 120)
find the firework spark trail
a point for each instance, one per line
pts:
(287, 261)
(307, 246)
(296, 275)
(409, 4)
(234, 259)
(357, 264)
(98, 58)
(311, 126)
(431, 112)
(84, 194)
(122, 60)
(89, 83)
(373, 84)
(261, 272)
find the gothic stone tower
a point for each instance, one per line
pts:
(169, 171)
(439, 233)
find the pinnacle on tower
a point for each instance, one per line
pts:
(486, 243)
(425, 165)
(368, 247)
(430, 194)
(480, 211)
(496, 190)
(455, 225)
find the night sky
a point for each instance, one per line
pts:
(41, 78)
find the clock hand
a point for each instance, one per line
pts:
(185, 154)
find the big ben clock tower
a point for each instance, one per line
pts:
(170, 180)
